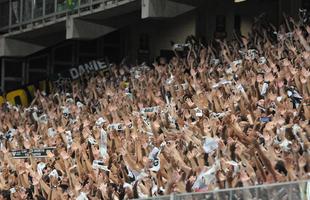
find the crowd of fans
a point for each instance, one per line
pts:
(227, 114)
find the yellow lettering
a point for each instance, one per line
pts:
(42, 85)
(2, 100)
(31, 90)
(13, 95)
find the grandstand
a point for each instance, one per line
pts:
(155, 99)
(35, 34)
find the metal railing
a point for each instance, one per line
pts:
(19, 15)
(298, 190)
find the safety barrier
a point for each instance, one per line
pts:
(298, 190)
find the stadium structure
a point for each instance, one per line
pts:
(39, 38)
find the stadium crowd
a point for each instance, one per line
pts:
(224, 115)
